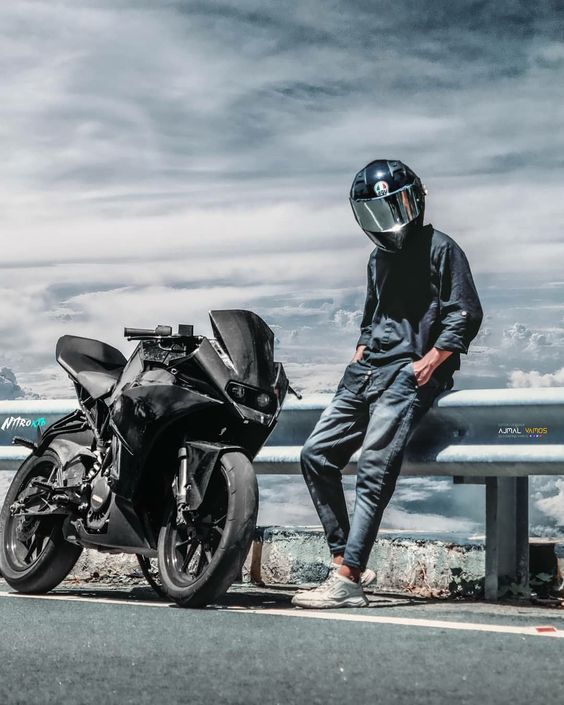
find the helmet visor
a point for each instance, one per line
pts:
(390, 212)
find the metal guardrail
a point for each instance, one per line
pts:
(472, 435)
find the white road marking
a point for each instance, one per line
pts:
(541, 630)
(416, 622)
(87, 598)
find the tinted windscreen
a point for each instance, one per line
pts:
(249, 342)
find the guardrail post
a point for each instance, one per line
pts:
(507, 536)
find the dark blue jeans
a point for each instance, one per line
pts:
(375, 408)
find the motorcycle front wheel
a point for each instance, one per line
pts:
(200, 558)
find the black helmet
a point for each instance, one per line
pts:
(385, 197)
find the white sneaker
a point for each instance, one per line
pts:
(367, 577)
(335, 591)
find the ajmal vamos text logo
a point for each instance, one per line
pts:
(521, 431)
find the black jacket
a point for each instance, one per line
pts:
(421, 297)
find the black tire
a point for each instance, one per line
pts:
(55, 557)
(151, 574)
(234, 482)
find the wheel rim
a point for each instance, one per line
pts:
(26, 539)
(150, 570)
(190, 548)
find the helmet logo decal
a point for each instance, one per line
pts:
(381, 188)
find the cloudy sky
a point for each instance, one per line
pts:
(163, 158)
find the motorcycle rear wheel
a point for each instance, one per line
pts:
(200, 560)
(34, 556)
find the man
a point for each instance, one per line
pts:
(422, 311)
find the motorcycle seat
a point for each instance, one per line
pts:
(96, 366)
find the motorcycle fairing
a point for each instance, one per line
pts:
(125, 533)
(139, 411)
(201, 460)
(249, 342)
(154, 399)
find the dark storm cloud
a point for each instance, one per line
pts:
(167, 102)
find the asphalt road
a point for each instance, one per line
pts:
(104, 646)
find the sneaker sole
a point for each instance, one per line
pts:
(365, 582)
(324, 604)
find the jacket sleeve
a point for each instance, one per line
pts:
(461, 312)
(369, 306)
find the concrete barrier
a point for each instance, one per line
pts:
(298, 556)
(439, 568)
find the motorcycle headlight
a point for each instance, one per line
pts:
(237, 391)
(251, 397)
(263, 400)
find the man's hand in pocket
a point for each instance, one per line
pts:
(358, 354)
(425, 367)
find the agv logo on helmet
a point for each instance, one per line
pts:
(381, 188)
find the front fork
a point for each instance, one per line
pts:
(196, 463)
(181, 486)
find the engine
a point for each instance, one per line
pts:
(99, 504)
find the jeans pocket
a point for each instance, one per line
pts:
(411, 373)
(431, 383)
(355, 376)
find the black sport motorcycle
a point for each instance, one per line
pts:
(156, 461)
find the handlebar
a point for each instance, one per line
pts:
(184, 331)
(160, 331)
